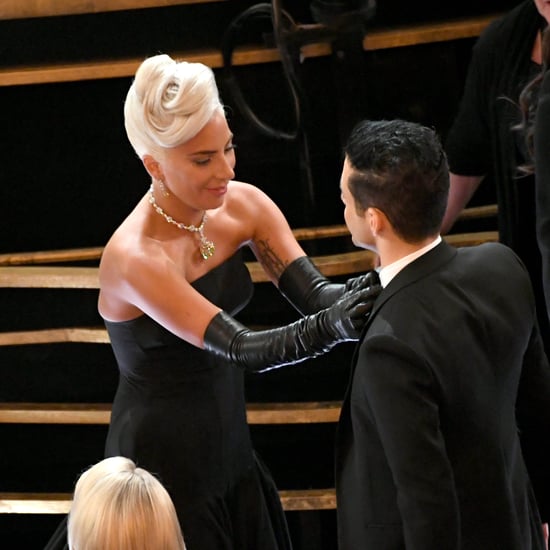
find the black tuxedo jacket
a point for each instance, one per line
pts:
(450, 369)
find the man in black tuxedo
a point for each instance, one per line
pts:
(443, 432)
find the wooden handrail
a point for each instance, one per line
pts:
(52, 256)
(15, 276)
(94, 253)
(81, 335)
(60, 503)
(67, 277)
(301, 234)
(376, 39)
(309, 499)
(477, 212)
(100, 413)
(18, 9)
(35, 503)
(472, 239)
(332, 265)
(49, 277)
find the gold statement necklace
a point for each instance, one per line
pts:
(206, 247)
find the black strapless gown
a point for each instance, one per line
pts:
(180, 413)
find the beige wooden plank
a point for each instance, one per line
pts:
(87, 277)
(332, 265)
(293, 413)
(89, 70)
(99, 413)
(22, 9)
(476, 212)
(94, 253)
(246, 55)
(35, 503)
(51, 256)
(60, 503)
(441, 31)
(55, 336)
(301, 234)
(55, 413)
(472, 239)
(48, 277)
(310, 499)
(320, 232)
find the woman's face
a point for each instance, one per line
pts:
(543, 7)
(198, 171)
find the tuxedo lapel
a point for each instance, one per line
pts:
(420, 268)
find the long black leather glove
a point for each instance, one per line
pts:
(260, 351)
(309, 291)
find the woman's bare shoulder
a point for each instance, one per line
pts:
(245, 197)
(128, 250)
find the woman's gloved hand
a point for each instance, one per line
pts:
(370, 278)
(313, 335)
(309, 291)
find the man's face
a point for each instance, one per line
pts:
(356, 222)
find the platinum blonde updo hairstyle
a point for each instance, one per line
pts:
(168, 103)
(118, 506)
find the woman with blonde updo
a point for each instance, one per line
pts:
(117, 506)
(171, 279)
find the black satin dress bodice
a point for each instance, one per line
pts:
(180, 412)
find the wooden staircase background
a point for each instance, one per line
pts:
(57, 373)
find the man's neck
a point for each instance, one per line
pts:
(389, 270)
(393, 251)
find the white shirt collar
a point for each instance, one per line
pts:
(388, 272)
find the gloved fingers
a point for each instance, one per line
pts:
(367, 294)
(362, 282)
(361, 311)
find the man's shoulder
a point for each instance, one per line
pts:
(492, 250)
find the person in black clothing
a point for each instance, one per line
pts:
(441, 441)
(535, 103)
(542, 164)
(171, 280)
(482, 143)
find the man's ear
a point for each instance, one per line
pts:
(376, 220)
(153, 167)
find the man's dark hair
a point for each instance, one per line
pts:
(400, 168)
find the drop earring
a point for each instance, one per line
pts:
(163, 189)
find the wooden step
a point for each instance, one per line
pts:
(300, 233)
(347, 263)
(60, 503)
(472, 239)
(99, 413)
(24, 9)
(82, 335)
(15, 276)
(376, 39)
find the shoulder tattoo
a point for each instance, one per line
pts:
(272, 264)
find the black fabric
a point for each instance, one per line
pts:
(180, 412)
(58, 540)
(482, 140)
(263, 350)
(306, 288)
(443, 430)
(542, 164)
